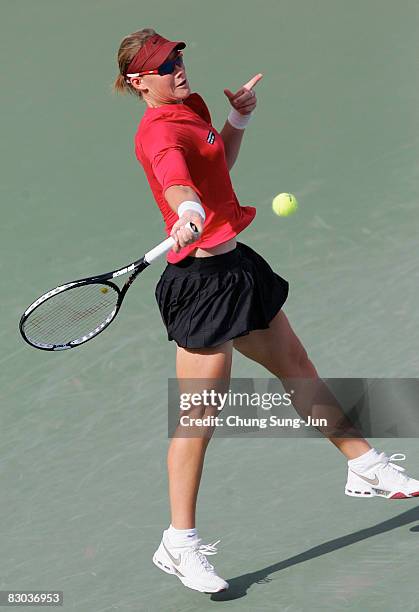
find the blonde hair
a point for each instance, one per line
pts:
(128, 48)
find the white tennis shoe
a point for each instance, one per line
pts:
(190, 565)
(384, 479)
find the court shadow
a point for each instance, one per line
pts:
(240, 584)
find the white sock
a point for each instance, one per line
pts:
(182, 537)
(365, 461)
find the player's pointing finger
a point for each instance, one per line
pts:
(253, 81)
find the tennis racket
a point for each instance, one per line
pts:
(74, 313)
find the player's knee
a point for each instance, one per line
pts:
(302, 358)
(298, 363)
(307, 369)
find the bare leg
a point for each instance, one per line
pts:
(185, 457)
(280, 351)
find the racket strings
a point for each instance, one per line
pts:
(72, 314)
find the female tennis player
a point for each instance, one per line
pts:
(216, 294)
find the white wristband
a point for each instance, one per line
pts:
(189, 205)
(237, 120)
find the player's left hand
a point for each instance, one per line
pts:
(244, 100)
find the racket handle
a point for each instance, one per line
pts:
(167, 244)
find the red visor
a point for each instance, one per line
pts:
(152, 54)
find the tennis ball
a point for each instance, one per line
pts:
(284, 204)
(104, 290)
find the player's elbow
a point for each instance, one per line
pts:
(182, 190)
(176, 194)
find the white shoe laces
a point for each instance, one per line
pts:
(199, 552)
(208, 549)
(397, 470)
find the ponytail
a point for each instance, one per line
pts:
(129, 47)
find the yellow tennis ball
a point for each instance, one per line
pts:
(104, 289)
(284, 204)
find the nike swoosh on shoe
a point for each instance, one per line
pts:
(371, 481)
(175, 560)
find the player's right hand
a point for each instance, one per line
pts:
(183, 235)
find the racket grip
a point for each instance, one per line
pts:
(167, 244)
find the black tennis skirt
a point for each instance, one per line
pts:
(205, 301)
